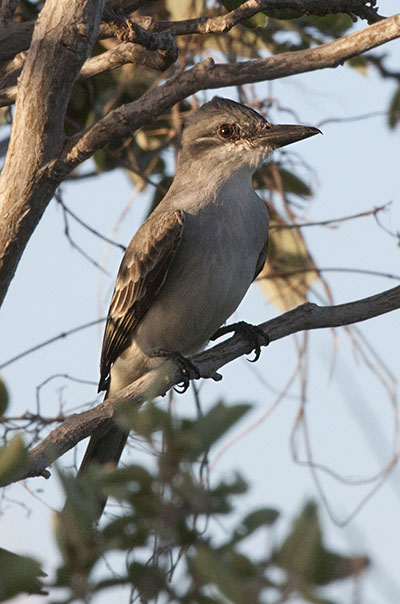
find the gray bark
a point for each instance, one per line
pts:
(155, 383)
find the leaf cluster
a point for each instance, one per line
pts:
(169, 529)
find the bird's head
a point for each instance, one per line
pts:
(224, 132)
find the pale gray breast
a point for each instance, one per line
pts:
(211, 272)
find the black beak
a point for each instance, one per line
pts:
(278, 135)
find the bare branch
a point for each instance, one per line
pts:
(224, 23)
(306, 317)
(122, 54)
(15, 37)
(331, 221)
(330, 269)
(87, 226)
(60, 336)
(8, 96)
(10, 71)
(34, 194)
(384, 71)
(128, 52)
(62, 40)
(125, 120)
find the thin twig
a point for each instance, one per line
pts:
(360, 271)
(87, 226)
(373, 212)
(61, 335)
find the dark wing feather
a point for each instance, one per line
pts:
(261, 260)
(142, 273)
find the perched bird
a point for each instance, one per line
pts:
(189, 265)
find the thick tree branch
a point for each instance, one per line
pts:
(127, 52)
(45, 86)
(17, 36)
(158, 35)
(223, 23)
(122, 54)
(306, 317)
(125, 120)
(61, 42)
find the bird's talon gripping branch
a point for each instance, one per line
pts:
(252, 333)
(186, 367)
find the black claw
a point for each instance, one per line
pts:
(185, 365)
(181, 387)
(257, 352)
(252, 333)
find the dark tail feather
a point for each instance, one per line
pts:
(104, 447)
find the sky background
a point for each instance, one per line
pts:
(350, 416)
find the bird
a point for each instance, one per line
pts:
(189, 265)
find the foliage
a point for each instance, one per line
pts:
(170, 532)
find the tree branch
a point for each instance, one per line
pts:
(157, 382)
(33, 194)
(122, 122)
(63, 38)
(128, 52)
(17, 36)
(224, 23)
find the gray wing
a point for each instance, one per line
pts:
(142, 273)
(261, 260)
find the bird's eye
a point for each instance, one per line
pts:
(226, 131)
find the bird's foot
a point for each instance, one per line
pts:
(185, 365)
(253, 334)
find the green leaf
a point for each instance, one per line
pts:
(19, 574)
(394, 109)
(301, 552)
(134, 484)
(293, 184)
(234, 487)
(4, 398)
(213, 425)
(148, 580)
(332, 26)
(75, 530)
(257, 20)
(215, 571)
(12, 457)
(288, 181)
(360, 64)
(202, 599)
(145, 420)
(231, 4)
(127, 532)
(304, 556)
(259, 518)
(285, 14)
